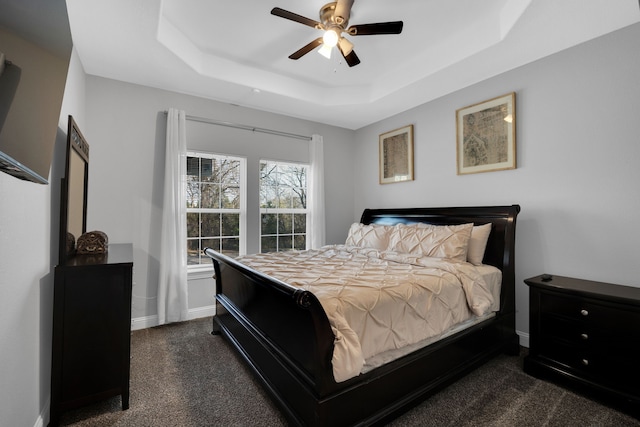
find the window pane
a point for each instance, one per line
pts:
(193, 224)
(303, 177)
(293, 175)
(285, 224)
(193, 192)
(267, 169)
(232, 177)
(269, 244)
(268, 196)
(206, 170)
(210, 224)
(210, 243)
(230, 224)
(283, 171)
(210, 196)
(299, 198)
(193, 252)
(285, 243)
(299, 223)
(193, 167)
(215, 170)
(286, 196)
(231, 198)
(269, 224)
(300, 242)
(231, 247)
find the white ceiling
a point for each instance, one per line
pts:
(236, 51)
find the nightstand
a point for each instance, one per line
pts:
(586, 335)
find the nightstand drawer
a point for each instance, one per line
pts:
(612, 319)
(606, 368)
(580, 334)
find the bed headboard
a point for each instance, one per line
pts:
(500, 246)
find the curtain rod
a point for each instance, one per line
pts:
(245, 127)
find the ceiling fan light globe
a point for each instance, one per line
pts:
(330, 38)
(345, 46)
(325, 50)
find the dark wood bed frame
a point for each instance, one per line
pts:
(284, 335)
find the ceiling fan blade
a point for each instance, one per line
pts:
(306, 49)
(352, 59)
(394, 27)
(343, 10)
(295, 17)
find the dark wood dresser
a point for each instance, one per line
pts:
(91, 329)
(586, 335)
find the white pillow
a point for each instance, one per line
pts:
(369, 236)
(478, 243)
(441, 241)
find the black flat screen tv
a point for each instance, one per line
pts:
(32, 82)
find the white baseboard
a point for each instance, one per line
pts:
(524, 338)
(138, 323)
(44, 414)
(40, 421)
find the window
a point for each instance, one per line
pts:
(283, 206)
(215, 206)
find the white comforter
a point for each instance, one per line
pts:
(379, 300)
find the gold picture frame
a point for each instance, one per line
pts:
(486, 135)
(396, 155)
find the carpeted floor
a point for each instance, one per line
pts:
(183, 376)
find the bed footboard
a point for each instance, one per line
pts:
(264, 316)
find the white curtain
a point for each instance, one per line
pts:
(172, 286)
(316, 193)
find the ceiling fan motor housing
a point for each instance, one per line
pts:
(330, 21)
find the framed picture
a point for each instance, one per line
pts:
(396, 155)
(486, 135)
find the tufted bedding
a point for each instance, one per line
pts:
(381, 301)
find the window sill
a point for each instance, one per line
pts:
(200, 273)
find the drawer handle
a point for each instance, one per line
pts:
(584, 336)
(584, 312)
(585, 362)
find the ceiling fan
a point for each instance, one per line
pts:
(334, 19)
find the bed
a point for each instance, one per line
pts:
(285, 335)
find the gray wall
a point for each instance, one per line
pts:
(577, 153)
(126, 130)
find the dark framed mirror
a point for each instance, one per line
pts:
(73, 193)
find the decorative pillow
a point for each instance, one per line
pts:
(369, 236)
(441, 241)
(478, 243)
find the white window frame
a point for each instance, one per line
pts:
(199, 270)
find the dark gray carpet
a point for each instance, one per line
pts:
(183, 376)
